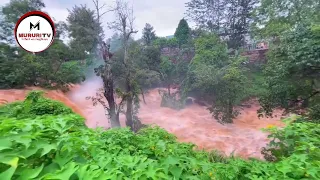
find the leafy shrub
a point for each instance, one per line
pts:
(35, 104)
(61, 147)
(296, 139)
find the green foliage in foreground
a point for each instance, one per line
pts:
(61, 147)
(34, 105)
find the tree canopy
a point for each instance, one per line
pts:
(292, 71)
(217, 77)
(148, 35)
(84, 30)
(182, 33)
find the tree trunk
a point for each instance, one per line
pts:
(229, 113)
(129, 119)
(114, 120)
(129, 98)
(169, 90)
(142, 93)
(109, 95)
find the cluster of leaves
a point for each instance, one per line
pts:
(47, 69)
(51, 68)
(230, 19)
(294, 148)
(273, 17)
(61, 147)
(217, 76)
(292, 72)
(34, 105)
(164, 43)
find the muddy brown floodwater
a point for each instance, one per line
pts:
(192, 124)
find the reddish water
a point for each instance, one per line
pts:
(192, 124)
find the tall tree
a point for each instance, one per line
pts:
(105, 72)
(182, 33)
(292, 72)
(276, 16)
(217, 77)
(207, 14)
(124, 25)
(148, 35)
(228, 18)
(84, 30)
(238, 20)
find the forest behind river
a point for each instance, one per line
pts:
(233, 93)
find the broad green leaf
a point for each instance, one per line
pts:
(62, 158)
(176, 171)
(47, 148)
(23, 139)
(89, 172)
(7, 175)
(30, 173)
(65, 173)
(29, 152)
(12, 161)
(5, 143)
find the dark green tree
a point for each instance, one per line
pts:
(217, 77)
(182, 33)
(84, 30)
(238, 20)
(207, 14)
(148, 35)
(228, 18)
(273, 17)
(292, 72)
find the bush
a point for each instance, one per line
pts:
(34, 105)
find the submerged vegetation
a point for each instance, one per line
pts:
(47, 145)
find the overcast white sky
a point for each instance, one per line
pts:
(163, 15)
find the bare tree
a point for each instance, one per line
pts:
(124, 24)
(104, 71)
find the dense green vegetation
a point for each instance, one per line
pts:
(45, 140)
(56, 67)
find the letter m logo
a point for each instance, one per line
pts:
(37, 25)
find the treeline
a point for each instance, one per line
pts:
(56, 67)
